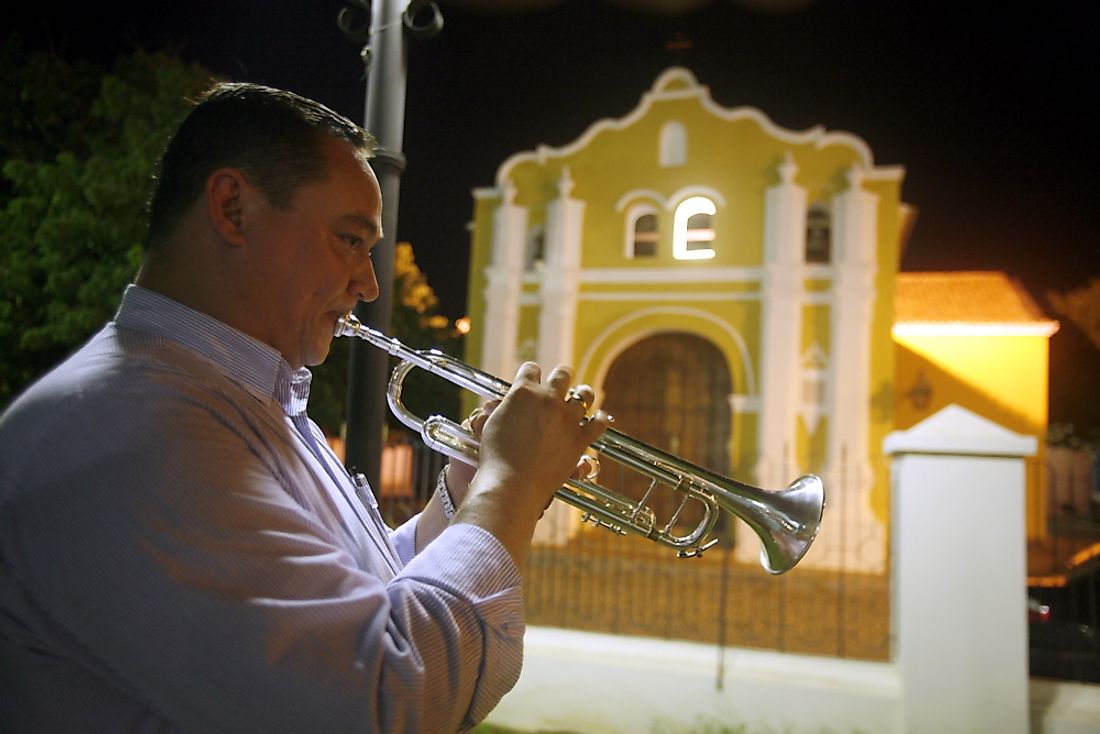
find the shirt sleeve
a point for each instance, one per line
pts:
(404, 539)
(174, 555)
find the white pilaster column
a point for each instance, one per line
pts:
(560, 276)
(959, 573)
(781, 328)
(504, 285)
(855, 229)
(558, 321)
(847, 471)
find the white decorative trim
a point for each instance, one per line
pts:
(597, 342)
(820, 271)
(740, 404)
(487, 192)
(677, 197)
(670, 275)
(815, 369)
(961, 328)
(667, 296)
(816, 136)
(656, 196)
(527, 350)
(884, 173)
(668, 203)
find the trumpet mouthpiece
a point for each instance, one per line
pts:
(346, 325)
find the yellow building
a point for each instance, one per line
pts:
(728, 286)
(725, 284)
(976, 339)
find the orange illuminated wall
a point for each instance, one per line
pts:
(979, 341)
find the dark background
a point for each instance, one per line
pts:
(986, 106)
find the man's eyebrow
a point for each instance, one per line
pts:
(363, 222)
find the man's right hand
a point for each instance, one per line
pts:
(530, 445)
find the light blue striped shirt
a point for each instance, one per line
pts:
(180, 551)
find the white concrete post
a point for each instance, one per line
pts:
(959, 569)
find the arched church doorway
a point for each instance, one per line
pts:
(671, 390)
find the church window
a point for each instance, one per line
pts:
(536, 247)
(818, 234)
(641, 231)
(693, 229)
(645, 236)
(673, 145)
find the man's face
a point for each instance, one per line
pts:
(315, 256)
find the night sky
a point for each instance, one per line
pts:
(984, 105)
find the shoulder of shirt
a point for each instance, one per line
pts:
(114, 369)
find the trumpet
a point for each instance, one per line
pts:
(786, 521)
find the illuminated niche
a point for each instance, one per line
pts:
(693, 229)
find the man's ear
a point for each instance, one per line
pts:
(226, 192)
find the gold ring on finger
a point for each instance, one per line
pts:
(473, 416)
(575, 396)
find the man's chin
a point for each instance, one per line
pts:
(319, 353)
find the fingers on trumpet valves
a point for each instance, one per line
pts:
(588, 468)
(586, 396)
(559, 379)
(582, 394)
(475, 421)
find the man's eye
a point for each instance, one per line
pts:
(352, 240)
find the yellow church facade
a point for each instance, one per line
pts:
(725, 284)
(738, 245)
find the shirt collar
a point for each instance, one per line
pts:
(258, 367)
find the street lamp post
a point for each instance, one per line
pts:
(384, 59)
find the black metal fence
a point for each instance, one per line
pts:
(1064, 568)
(598, 581)
(602, 582)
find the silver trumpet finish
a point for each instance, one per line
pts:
(785, 521)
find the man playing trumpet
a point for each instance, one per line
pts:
(179, 548)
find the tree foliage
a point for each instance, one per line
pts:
(1081, 306)
(80, 145)
(1074, 399)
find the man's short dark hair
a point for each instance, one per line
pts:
(274, 137)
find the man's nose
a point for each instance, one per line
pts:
(364, 282)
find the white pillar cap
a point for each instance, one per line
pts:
(959, 432)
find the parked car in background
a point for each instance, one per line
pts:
(1064, 621)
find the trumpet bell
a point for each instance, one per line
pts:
(787, 532)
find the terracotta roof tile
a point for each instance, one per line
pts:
(979, 297)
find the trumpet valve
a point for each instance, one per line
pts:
(697, 551)
(599, 522)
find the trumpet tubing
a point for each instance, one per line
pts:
(786, 521)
